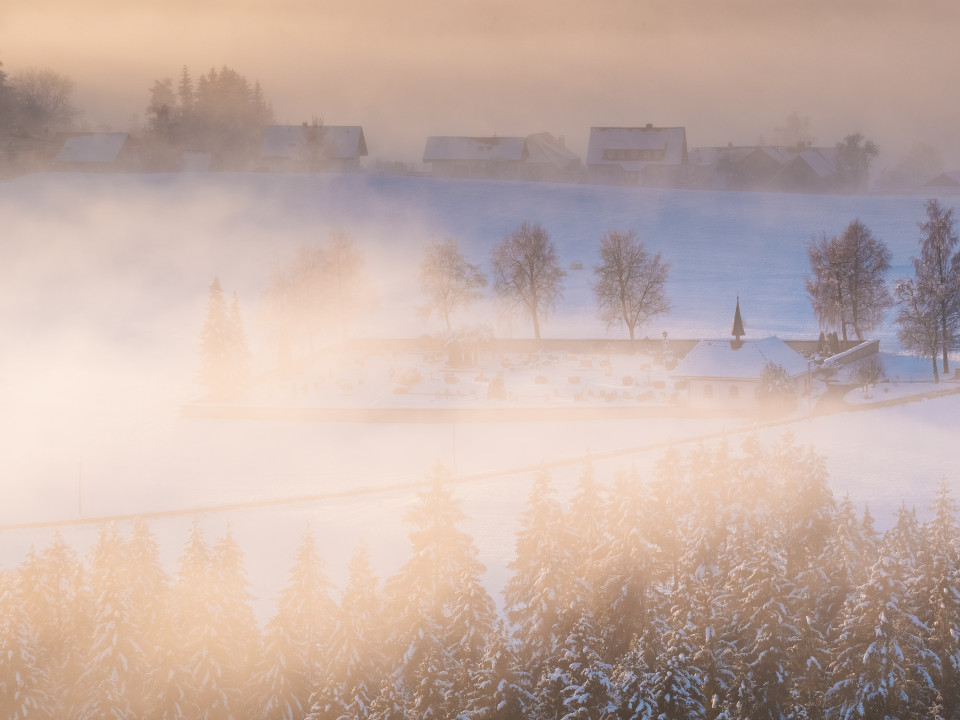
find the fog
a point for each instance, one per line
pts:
(728, 72)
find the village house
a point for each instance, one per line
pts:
(800, 168)
(313, 148)
(540, 156)
(652, 156)
(475, 157)
(93, 152)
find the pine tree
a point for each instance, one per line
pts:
(590, 691)
(292, 660)
(542, 589)
(882, 666)
(441, 613)
(235, 625)
(23, 680)
(355, 670)
(223, 349)
(501, 686)
(764, 626)
(55, 599)
(937, 592)
(625, 571)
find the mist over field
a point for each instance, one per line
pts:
(226, 497)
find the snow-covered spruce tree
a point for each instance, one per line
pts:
(542, 589)
(587, 522)
(223, 349)
(590, 690)
(236, 625)
(22, 678)
(55, 597)
(936, 590)
(903, 541)
(116, 665)
(845, 560)
(882, 666)
(674, 682)
(288, 668)
(440, 612)
(626, 568)
(204, 675)
(354, 669)
(148, 601)
(501, 687)
(763, 623)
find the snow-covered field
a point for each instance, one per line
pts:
(103, 284)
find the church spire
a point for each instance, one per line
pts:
(737, 323)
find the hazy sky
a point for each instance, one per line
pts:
(728, 70)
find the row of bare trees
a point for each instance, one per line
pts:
(628, 282)
(848, 286)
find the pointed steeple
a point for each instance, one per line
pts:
(737, 323)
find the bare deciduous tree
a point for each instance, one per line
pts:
(319, 289)
(43, 99)
(917, 317)
(448, 280)
(855, 154)
(629, 281)
(848, 286)
(526, 272)
(938, 272)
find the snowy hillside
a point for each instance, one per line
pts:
(103, 283)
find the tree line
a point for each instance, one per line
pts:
(319, 292)
(731, 584)
(848, 287)
(221, 113)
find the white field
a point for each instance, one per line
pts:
(103, 287)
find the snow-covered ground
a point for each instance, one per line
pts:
(103, 284)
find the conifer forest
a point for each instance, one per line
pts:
(730, 584)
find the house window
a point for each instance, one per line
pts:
(734, 392)
(708, 391)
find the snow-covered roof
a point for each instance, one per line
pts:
(337, 142)
(441, 147)
(92, 148)
(778, 153)
(712, 155)
(823, 161)
(728, 360)
(671, 140)
(544, 148)
(947, 179)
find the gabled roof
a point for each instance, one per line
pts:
(544, 148)
(92, 148)
(712, 155)
(672, 140)
(823, 161)
(336, 142)
(947, 179)
(730, 360)
(441, 147)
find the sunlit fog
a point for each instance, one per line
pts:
(479, 360)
